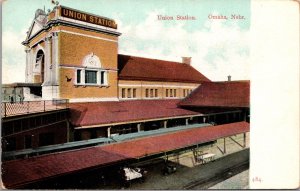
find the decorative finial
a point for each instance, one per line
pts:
(54, 2)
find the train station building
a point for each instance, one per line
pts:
(97, 107)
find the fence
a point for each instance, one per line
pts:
(25, 107)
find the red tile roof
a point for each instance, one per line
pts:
(86, 114)
(220, 94)
(137, 68)
(24, 171)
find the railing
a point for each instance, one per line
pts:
(25, 107)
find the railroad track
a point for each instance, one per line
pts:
(219, 177)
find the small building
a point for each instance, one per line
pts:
(19, 92)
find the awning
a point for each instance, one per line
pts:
(19, 172)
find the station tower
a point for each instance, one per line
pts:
(73, 55)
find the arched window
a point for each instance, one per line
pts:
(40, 63)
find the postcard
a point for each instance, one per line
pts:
(149, 94)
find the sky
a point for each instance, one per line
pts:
(218, 47)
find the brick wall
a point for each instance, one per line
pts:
(142, 86)
(73, 48)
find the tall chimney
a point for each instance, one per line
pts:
(186, 60)
(229, 78)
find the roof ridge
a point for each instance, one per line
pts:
(153, 59)
(223, 82)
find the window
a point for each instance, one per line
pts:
(90, 77)
(186, 92)
(171, 93)
(147, 93)
(167, 92)
(155, 93)
(123, 92)
(174, 92)
(102, 77)
(134, 93)
(151, 92)
(40, 64)
(129, 93)
(78, 75)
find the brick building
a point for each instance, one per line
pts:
(75, 56)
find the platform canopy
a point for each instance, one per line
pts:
(219, 94)
(105, 113)
(24, 171)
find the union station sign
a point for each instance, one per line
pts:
(80, 16)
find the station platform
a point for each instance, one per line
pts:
(24, 171)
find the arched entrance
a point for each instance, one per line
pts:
(40, 60)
